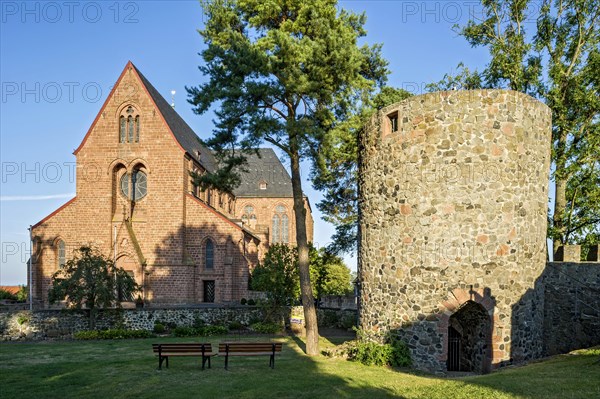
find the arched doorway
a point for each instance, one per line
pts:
(469, 344)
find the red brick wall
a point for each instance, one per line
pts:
(169, 225)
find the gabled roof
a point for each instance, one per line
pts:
(266, 168)
(181, 130)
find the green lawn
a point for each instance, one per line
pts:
(127, 368)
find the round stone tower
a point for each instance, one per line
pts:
(453, 202)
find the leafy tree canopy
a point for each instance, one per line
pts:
(336, 173)
(277, 275)
(92, 281)
(284, 72)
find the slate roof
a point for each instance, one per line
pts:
(266, 168)
(182, 131)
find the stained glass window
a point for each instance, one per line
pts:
(122, 130)
(130, 128)
(61, 254)
(139, 185)
(209, 255)
(275, 232)
(280, 225)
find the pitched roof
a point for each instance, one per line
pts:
(184, 134)
(266, 168)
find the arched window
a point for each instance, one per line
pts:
(122, 134)
(280, 226)
(61, 254)
(249, 217)
(129, 125)
(209, 255)
(139, 185)
(284, 229)
(130, 128)
(275, 233)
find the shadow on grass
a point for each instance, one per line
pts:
(128, 368)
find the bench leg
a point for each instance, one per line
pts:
(204, 360)
(226, 361)
(272, 361)
(160, 361)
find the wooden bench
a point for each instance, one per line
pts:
(250, 349)
(164, 351)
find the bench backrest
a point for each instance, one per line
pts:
(250, 347)
(182, 347)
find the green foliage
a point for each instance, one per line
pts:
(235, 325)
(329, 274)
(7, 295)
(243, 301)
(159, 328)
(23, 293)
(23, 318)
(336, 169)
(205, 331)
(393, 353)
(91, 280)
(371, 353)
(112, 334)
(266, 328)
(464, 79)
(277, 275)
(251, 302)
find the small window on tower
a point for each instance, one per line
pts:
(393, 117)
(262, 185)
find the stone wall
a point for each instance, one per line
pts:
(453, 199)
(572, 306)
(49, 324)
(62, 324)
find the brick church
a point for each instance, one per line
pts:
(136, 202)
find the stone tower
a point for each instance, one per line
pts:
(453, 202)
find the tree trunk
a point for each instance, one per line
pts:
(308, 301)
(560, 193)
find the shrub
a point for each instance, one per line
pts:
(205, 331)
(184, 331)
(23, 318)
(159, 328)
(112, 334)
(266, 328)
(251, 302)
(235, 325)
(212, 330)
(243, 301)
(198, 323)
(7, 295)
(348, 320)
(368, 352)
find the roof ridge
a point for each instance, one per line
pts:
(184, 134)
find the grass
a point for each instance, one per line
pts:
(127, 368)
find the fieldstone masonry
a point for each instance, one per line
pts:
(453, 193)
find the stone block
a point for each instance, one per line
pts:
(568, 253)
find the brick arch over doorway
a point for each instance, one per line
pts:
(471, 306)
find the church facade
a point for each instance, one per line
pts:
(136, 203)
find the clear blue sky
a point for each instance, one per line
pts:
(60, 59)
